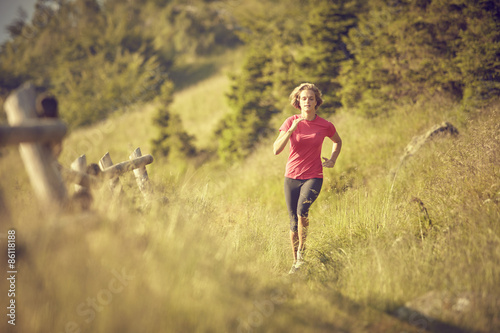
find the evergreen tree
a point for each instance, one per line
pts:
(267, 77)
(368, 79)
(172, 141)
(406, 50)
(324, 49)
(82, 53)
(15, 28)
(425, 39)
(478, 57)
(252, 103)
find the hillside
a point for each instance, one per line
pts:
(393, 246)
(215, 257)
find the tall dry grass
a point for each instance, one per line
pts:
(214, 257)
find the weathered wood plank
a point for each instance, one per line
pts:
(104, 163)
(38, 159)
(141, 175)
(33, 130)
(82, 198)
(80, 178)
(123, 167)
(80, 165)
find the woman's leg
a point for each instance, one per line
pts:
(302, 232)
(294, 239)
(309, 192)
(292, 194)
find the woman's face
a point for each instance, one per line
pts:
(307, 101)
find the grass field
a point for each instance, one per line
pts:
(214, 257)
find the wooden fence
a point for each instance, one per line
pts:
(33, 124)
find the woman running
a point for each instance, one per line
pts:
(304, 169)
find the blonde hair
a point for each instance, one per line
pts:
(294, 96)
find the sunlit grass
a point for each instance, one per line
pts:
(201, 107)
(202, 104)
(214, 256)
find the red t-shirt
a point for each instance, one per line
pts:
(304, 161)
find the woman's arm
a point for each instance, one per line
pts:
(281, 142)
(337, 146)
(282, 139)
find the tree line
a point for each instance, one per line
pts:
(365, 55)
(98, 57)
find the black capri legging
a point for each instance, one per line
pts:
(299, 196)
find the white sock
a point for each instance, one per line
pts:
(299, 255)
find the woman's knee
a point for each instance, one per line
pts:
(304, 221)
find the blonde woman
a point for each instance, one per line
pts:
(304, 169)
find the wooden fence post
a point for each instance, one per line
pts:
(80, 165)
(38, 159)
(141, 176)
(82, 195)
(104, 163)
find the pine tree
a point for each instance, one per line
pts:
(324, 49)
(172, 141)
(267, 77)
(87, 56)
(479, 53)
(252, 103)
(367, 79)
(15, 28)
(407, 50)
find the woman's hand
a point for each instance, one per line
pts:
(295, 124)
(337, 146)
(328, 163)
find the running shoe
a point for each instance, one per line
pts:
(300, 259)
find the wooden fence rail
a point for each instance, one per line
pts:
(78, 177)
(40, 144)
(127, 166)
(33, 130)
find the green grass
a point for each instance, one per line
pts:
(200, 100)
(214, 257)
(201, 107)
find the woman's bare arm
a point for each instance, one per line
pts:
(337, 146)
